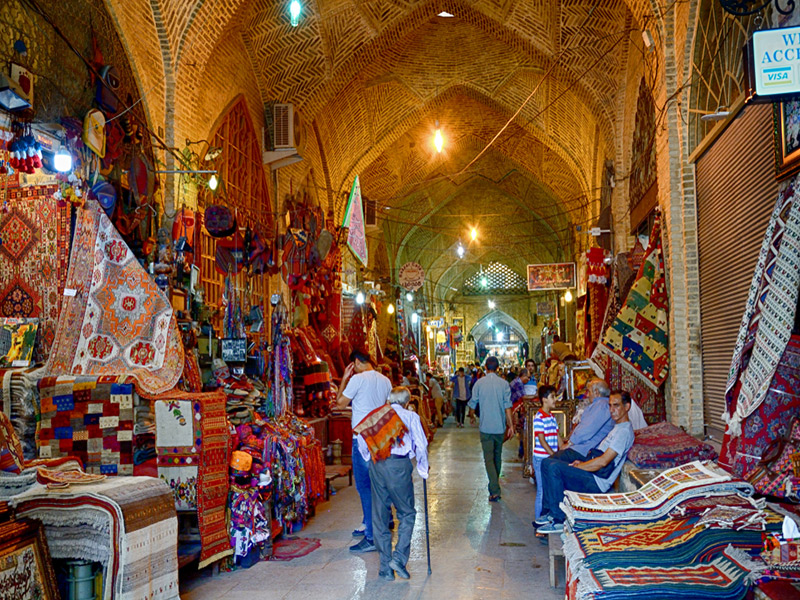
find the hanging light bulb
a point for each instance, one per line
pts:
(390, 309)
(473, 234)
(460, 250)
(491, 304)
(360, 298)
(430, 335)
(568, 296)
(428, 328)
(490, 323)
(499, 336)
(213, 182)
(62, 160)
(414, 318)
(410, 297)
(438, 140)
(294, 12)
(484, 281)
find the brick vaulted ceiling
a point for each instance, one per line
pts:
(370, 78)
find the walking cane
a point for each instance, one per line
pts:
(427, 529)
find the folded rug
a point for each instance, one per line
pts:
(665, 445)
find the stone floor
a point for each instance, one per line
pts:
(478, 549)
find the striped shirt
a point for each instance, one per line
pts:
(545, 423)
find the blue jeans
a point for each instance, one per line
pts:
(364, 488)
(557, 477)
(537, 470)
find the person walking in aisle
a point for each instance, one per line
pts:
(546, 440)
(391, 478)
(366, 389)
(493, 395)
(462, 392)
(438, 398)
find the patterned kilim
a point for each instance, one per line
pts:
(656, 498)
(381, 429)
(33, 260)
(126, 523)
(664, 445)
(90, 418)
(652, 402)
(639, 336)
(769, 313)
(192, 441)
(726, 577)
(118, 321)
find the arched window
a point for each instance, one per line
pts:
(497, 278)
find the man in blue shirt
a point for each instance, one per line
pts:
(493, 395)
(595, 424)
(596, 474)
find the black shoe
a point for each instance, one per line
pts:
(364, 545)
(386, 575)
(495, 498)
(401, 571)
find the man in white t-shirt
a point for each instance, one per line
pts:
(438, 399)
(366, 389)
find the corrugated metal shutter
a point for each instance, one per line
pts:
(736, 192)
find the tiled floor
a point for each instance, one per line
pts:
(478, 549)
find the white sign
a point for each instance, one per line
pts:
(411, 276)
(776, 56)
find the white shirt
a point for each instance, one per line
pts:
(636, 417)
(367, 391)
(414, 444)
(435, 388)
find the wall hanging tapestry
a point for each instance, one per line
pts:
(34, 256)
(126, 523)
(664, 445)
(90, 418)
(770, 420)
(652, 402)
(114, 319)
(639, 336)
(192, 442)
(768, 315)
(656, 498)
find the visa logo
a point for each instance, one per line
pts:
(777, 76)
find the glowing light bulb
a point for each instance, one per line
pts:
(428, 328)
(294, 12)
(473, 234)
(438, 141)
(414, 318)
(213, 183)
(62, 160)
(390, 309)
(499, 336)
(490, 323)
(568, 296)
(460, 251)
(410, 297)
(484, 281)
(491, 304)
(360, 298)
(430, 335)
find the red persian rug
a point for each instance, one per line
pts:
(114, 319)
(294, 547)
(34, 256)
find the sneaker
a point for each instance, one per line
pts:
(401, 571)
(532, 480)
(364, 545)
(551, 528)
(543, 520)
(386, 575)
(359, 532)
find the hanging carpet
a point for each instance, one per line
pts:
(769, 313)
(639, 336)
(34, 256)
(652, 402)
(114, 319)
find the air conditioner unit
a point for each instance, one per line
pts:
(283, 126)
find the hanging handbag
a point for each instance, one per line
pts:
(220, 222)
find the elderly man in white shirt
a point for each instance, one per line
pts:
(392, 484)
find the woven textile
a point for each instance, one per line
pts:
(639, 337)
(33, 260)
(126, 523)
(118, 321)
(769, 313)
(656, 498)
(665, 445)
(652, 402)
(381, 429)
(193, 441)
(90, 418)
(770, 420)
(295, 547)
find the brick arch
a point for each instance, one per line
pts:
(481, 326)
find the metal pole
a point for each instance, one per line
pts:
(427, 528)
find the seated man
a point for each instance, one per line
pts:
(593, 476)
(594, 426)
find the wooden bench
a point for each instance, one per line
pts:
(555, 549)
(334, 472)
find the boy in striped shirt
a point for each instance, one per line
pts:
(547, 438)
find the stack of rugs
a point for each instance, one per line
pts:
(664, 445)
(689, 533)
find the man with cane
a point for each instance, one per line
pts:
(389, 437)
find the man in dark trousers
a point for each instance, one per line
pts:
(391, 477)
(493, 396)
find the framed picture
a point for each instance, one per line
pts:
(786, 125)
(25, 567)
(552, 276)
